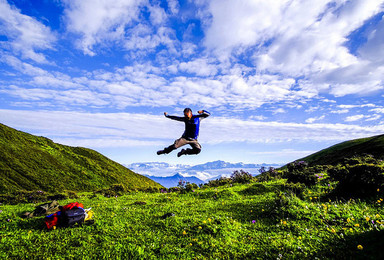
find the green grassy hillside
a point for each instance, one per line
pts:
(337, 153)
(28, 162)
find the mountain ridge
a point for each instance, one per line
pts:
(29, 162)
(335, 154)
(173, 181)
(205, 172)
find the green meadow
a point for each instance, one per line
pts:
(258, 220)
(325, 206)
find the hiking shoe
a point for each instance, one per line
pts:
(182, 152)
(160, 152)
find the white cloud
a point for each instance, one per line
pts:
(199, 67)
(23, 67)
(285, 153)
(373, 50)
(26, 35)
(100, 21)
(313, 119)
(373, 117)
(378, 110)
(121, 23)
(297, 38)
(173, 6)
(106, 129)
(356, 106)
(342, 111)
(354, 118)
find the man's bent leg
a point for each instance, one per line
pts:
(196, 148)
(167, 150)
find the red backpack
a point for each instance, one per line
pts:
(68, 215)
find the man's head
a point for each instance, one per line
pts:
(188, 112)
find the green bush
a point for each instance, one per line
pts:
(299, 172)
(113, 191)
(241, 177)
(219, 182)
(360, 180)
(267, 175)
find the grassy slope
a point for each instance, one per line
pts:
(335, 154)
(252, 221)
(36, 163)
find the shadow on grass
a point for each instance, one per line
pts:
(372, 247)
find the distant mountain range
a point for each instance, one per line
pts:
(169, 175)
(173, 181)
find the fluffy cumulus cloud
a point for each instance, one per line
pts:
(26, 36)
(99, 21)
(254, 52)
(302, 39)
(131, 25)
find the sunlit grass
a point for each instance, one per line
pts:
(249, 221)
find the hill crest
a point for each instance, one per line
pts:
(29, 162)
(357, 147)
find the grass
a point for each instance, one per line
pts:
(29, 162)
(337, 153)
(260, 220)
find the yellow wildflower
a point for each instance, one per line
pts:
(360, 247)
(367, 218)
(200, 227)
(184, 233)
(378, 190)
(357, 225)
(204, 222)
(211, 219)
(284, 222)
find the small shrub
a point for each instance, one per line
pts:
(24, 197)
(267, 175)
(297, 166)
(241, 177)
(113, 191)
(219, 182)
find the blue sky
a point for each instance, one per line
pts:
(282, 79)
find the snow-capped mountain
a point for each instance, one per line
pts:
(204, 172)
(173, 181)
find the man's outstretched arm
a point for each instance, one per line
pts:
(203, 113)
(177, 118)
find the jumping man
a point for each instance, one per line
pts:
(192, 124)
